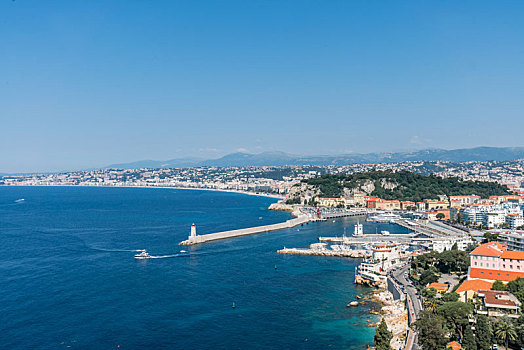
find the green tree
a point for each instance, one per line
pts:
(456, 316)
(440, 216)
(428, 276)
(450, 297)
(498, 285)
(431, 332)
(519, 327)
(490, 237)
(383, 337)
(505, 331)
(469, 342)
(430, 293)
(516, 287)
(484, 333)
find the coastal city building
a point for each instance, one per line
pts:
(497, 303)
(384, 257)
(493, 262)
(514, 240)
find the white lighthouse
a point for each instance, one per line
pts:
(193, 235)
(359, 229)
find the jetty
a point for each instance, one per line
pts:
(198, 239)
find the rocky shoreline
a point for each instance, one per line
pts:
(395, 314)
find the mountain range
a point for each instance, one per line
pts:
(282, 158)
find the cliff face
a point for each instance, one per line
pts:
(301, 192)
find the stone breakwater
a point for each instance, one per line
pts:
(301, 219)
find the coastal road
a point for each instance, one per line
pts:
(414, 301)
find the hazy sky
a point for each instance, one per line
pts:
(90, 83)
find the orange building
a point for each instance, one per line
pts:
(440, 287)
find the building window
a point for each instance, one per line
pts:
(475, 263)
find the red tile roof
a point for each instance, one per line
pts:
(497, 297)
(490, 249)
(512, 254)
(474, 285)
(453, 345)
(494, 274)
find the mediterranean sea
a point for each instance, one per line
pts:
(69, 280)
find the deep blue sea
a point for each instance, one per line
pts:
(69, 280)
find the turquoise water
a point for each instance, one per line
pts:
(69, 278)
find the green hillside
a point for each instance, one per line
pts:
(407, 185)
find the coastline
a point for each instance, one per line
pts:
(266, 195)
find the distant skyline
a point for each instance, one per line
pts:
(88, 84)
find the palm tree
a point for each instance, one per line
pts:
(505, 331)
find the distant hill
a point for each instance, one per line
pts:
(402, 185)
(172, 163)
(282, 158)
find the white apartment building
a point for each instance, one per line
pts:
(515, 221)
(493, 216)
(513, 239)
(440, 245)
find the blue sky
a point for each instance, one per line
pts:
(91, 83)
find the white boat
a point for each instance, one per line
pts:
(385, 233)
(386, 217)
(183, 251)
(142, 255)
(20, 200)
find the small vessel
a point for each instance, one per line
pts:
(353, 303)
(20, 200)
(183, 251)
(233, 306)
(143, 255)
(385, 233)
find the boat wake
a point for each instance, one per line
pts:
(166, 256)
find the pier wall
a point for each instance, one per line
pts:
(246, 231)
(394, 289)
